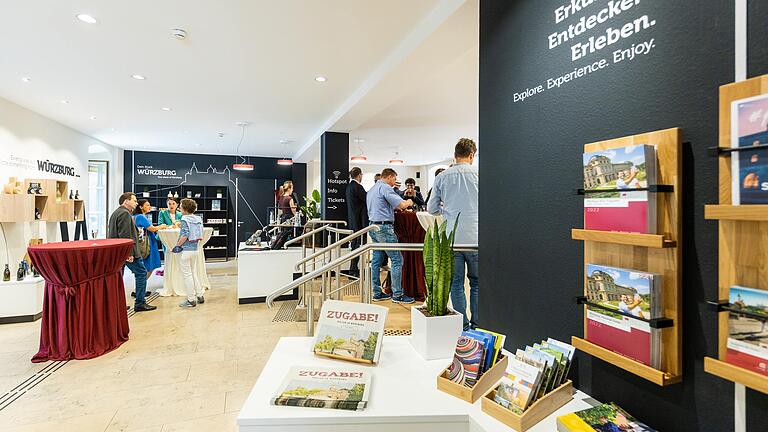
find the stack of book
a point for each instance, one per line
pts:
(350, 331)
(476, 352)
(749, 167)
(627, 205)
(318, 387)
(605, 417)
(631, 294)
(534, 372)
(747, 344)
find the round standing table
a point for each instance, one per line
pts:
(173, 280)
(84, 314)
(409, 230)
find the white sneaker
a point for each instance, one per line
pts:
(187, 304)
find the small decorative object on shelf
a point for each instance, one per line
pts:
(77, 194)
(176, 194)
(20, 273)
(71, 195)
(6, 274)
(216, 232)
(189, 194)
(197, 195)
(218, 193)
(145, 194)
(216, 205)
(38, 216)
(35, 273)
(35, 188)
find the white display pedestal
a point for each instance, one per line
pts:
(21, 301)
(404, 396)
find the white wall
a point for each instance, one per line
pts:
(314, 177)
(25, 138)
(403, 172)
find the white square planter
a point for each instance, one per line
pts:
(435, 337)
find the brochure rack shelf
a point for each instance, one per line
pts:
(471, 394)
(655, 253)
(534, 413)
(642, 240)
(742, 237)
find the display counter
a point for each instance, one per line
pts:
(404, 396)
(21, 301)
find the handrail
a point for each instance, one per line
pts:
(305, 235)
(339, 230)
(337, 244)
(354, 254)
(326, 222)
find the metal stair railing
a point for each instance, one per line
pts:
(363, 252)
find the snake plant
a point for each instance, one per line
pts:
(438, 267)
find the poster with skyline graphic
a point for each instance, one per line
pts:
(749, 127)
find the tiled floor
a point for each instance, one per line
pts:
(181, 370)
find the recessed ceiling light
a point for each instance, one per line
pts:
(93, 117)
(165, 109)
(138, 77)
(321, 79)
(88, 19)
(64, 101)
(358, 140)
(26, 79)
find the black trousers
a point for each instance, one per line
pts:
(354, 263)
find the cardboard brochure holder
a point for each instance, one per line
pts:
(471, 394)
(534, 414)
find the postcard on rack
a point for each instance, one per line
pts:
(350, 331)
(749, 168)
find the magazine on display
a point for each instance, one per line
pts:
(477, 351)
(605, 417)
(747, 344)
(518, 387)
(624, 168)
(749, 127)
(634, 293)
(318, 387)
(350, 331)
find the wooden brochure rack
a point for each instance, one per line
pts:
(743, 237)
(471, 394)
(656, 253)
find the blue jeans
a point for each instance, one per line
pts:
(140, 274)
(458, 298)
(386, 234)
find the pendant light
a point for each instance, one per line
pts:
(243, 165)
(286, 161)
(396, 160)
(359, 157)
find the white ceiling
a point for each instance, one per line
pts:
(246, 60)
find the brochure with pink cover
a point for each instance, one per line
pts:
(620, 171)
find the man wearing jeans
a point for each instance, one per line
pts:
(122, 225)
(454, 194)
(382, 201)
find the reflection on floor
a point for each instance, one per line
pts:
(181, 370)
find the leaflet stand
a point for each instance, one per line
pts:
(656, 253)
(743, 239)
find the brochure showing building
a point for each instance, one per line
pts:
(518, 387)
(467, 362)
(747, 344)
(620, 170)
(317, 387)
(350, 331)
(749, 168)
(631, 294)
(605, 417)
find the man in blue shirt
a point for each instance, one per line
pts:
(382, 201)
(454, 194)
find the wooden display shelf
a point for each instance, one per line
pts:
(79, 209)
(736, 374)
(654, 375)
(50, 186)
(535, 413)
(646, 252)
(471, 394)
(757, 213)
(17, 207)
(633, 239)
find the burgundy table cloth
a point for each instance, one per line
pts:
(84, 314)
(409, 230)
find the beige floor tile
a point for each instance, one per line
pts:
(222, 422)
(88, 423)
(152, 414)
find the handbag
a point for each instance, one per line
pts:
(143, 244)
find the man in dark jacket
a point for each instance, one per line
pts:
(357, 212)
(122, 225)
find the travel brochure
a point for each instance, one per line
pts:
(532, 373)
(620, 171)
(318, 387)
(350, 331)
(747, 344)
(477, 351)
(607, 417)
(749, 128)
(630, 293)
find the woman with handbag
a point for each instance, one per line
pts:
(147, 236)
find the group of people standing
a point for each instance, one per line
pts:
(130, 221)
(453, 195)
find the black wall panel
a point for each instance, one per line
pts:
(757, 37)
(531, 163)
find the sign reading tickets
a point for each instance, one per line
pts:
(334, 157)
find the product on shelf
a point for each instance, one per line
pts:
(77, 194)
(605, 417)
(35, 188)
(71, 194)
(6, 274)
(747, 345)
(620, 170)
(633, 293)
(20, 272)
(518, 387)
(189, 194)
(318, 387)
(466, 367)
(350, 331)
(216, 205)
(749, 169)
